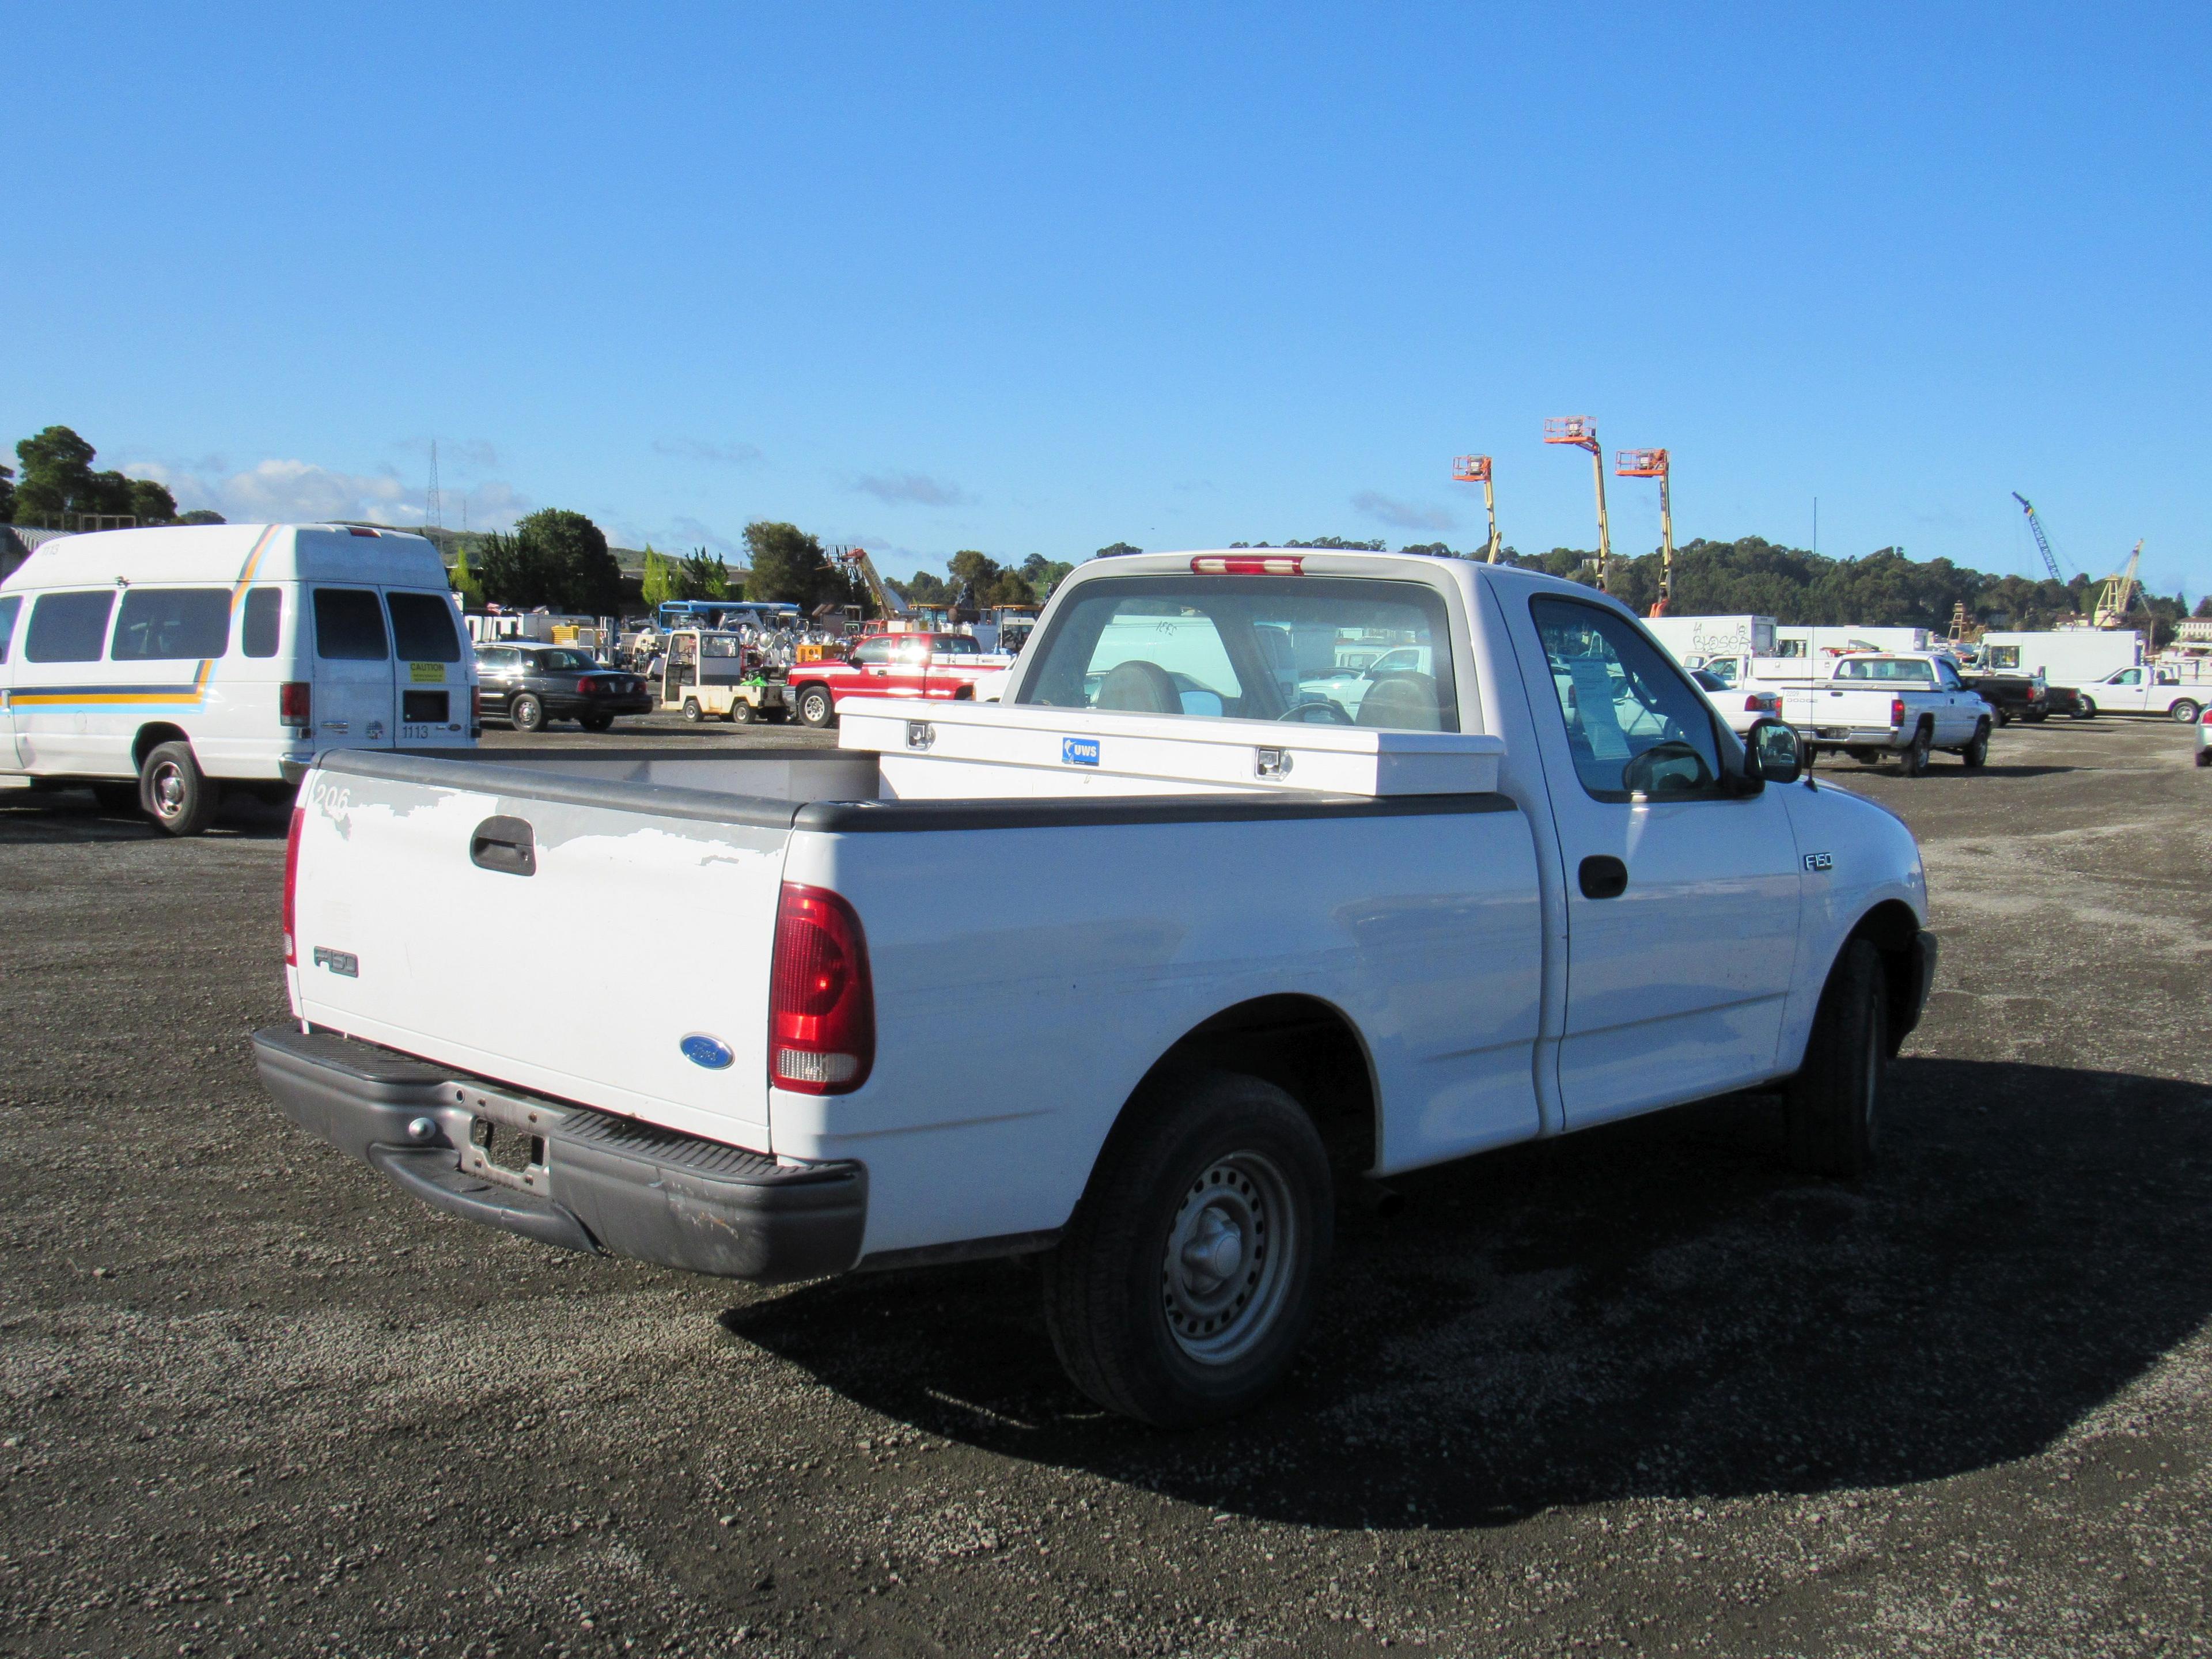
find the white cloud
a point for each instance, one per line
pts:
(699, 449)
(1406, 515)
(917, 488)
(279, 491)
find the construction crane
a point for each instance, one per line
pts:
(1652, 463)
(1581, 431)
(2042, 541)
(855, 561)
(1475, 469)
(2118, 596)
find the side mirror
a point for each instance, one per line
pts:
(1773, 753)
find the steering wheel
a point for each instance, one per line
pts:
(1331, 713)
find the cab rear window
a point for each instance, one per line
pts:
(422, 628)
(349, 625)
(168, 624)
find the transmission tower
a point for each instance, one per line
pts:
(436, 523)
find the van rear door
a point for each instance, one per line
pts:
(353, 702)
(430, 667)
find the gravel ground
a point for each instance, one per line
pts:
(1640, 1390)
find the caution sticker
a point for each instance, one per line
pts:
(426, 673)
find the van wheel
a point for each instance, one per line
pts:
(692, 712)
(815, 707)
(527, 713)
(1186, 1281)
(174, 793)
(1831, 1114)
(1977, 753)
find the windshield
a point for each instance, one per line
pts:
(1252, 647)
(559, 662)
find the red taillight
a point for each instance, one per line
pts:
(821, 1006)
(295, 703)
(1249, 564)
(2206, 717)
(360, 530)
(292, 887)
(589, 685)
(1897, 711)
(476, 702)
(1752, 705)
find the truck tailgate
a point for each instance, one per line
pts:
(547, 933)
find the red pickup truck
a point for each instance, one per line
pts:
(931, 665)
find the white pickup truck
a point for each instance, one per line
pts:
(2154, 689)
(1900, 703)
(1228, 961)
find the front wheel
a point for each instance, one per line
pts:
(2184, 713)
(1977, 753)
(174, 793)
(1192, 1269)
(815, 707)
(1831, 1114)
(527, 712)
(2086, 710)
(692, 712)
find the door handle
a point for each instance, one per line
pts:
(1603, 876)
(505, 846)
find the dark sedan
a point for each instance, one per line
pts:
(528, 685)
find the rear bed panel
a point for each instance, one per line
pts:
(580, 980)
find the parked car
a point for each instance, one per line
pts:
(1741, 709)
(1878, 704)
(2012, 696)
(529, 686)
(930, 667)
(1230, 962)
(165, 665)
(2067, 701)
(2149, 691)
(2204, 738)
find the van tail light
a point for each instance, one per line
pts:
(476, 703)
(292, 888)
(295, 703)
(1251, 564)
(822, 1004)
(1897, 711)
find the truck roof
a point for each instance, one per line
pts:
(222, 554)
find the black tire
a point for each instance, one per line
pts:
(2037, 719)
(1977, 753)
(1866, 756)
(1192, 1269)
(174, 793)
(2184, 713)
(2003, 718)
(2204, 757)
(117, 797)
(742, 713)
(1831, 1110)
(596, 722)
(1912, 759)
(692, 712)
(817, 708)
(2087, 710)
(527, 713)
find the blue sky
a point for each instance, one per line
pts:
(1036, 279)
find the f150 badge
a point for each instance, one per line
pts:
(1819, 862)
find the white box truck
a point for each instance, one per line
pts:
(1691, 639)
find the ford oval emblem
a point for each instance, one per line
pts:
(710, 1052)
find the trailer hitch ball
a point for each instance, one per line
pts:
(422, 1131)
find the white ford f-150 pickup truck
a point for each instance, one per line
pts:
(1906, 704)
(1229, 945)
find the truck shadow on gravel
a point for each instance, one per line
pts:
(1655, 1310)
(60, 816)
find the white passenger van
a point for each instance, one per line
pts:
(162, 666)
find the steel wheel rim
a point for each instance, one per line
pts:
(1228, 1259)
(169, 789)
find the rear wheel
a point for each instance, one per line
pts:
(1912, 759)
(742, 713)
(527, 712)
(1977, 752)
(1186, 1281)
(815, 707)
(1831, 1113)
(595, 722)
(2184, 713)
(2003, 717)
(174, 793)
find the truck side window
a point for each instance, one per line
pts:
(69, 626)
(872, 653)
(1624, 702)
(165, 624)
(264, 620)
(349, 625)
(422, 628)
(9, 607)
